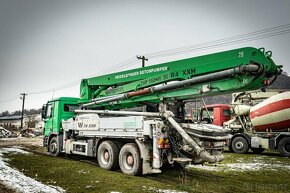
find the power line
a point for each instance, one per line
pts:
(121, 65)
(9, 99)
(222, 44)
(67, 85)
(117, 66)
(259, 32)
(125, 67)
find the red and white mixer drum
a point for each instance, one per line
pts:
(273, 114)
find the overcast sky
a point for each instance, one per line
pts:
(49, 44)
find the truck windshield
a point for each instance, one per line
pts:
(226, 112)
(49, 111)
(207, 114)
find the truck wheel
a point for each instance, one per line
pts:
(284, 146)
(129, 159)
(257, 150)
(53, 147)
(107, 155)
(240, 145)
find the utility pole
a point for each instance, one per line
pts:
(22, 114)
(143, 60)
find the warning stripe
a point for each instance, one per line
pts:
(274, 126)
(275, 120)
(275, 98)
(274, 117)
(270, 108)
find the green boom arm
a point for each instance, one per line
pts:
(219, 73)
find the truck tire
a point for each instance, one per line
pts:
(129, 159)
(107, 155)
(284, 146)
(240, 145)
(53, 147)
(257, 150)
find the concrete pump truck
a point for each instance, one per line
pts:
(98, 124)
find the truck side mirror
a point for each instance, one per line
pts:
(43, 112)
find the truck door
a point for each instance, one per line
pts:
(48, 120)
(217, 116)
(221, 115)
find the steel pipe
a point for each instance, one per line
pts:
(189, 82)
(132, 113)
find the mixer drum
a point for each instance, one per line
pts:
(272, 114)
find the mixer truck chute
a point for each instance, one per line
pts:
(96, 125)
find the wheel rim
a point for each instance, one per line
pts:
(129, 161)
(239, 145)
(53, 147)
(105, 156)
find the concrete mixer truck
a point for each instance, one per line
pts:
(260, 120)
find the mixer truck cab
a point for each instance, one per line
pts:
(215, 114)
(53, 113)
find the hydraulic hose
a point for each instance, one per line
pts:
(199, 151)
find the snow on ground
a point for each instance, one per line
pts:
(153, 189)
(19, 138)
(35, 141)
(205, 167)
(13, 150)
(241, 166)
(256, 166)
(16, 180)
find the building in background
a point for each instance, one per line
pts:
(13, 122)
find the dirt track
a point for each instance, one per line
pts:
(36, 141)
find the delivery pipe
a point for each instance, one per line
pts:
(253, 68)
(198, 150)
(132, 113)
